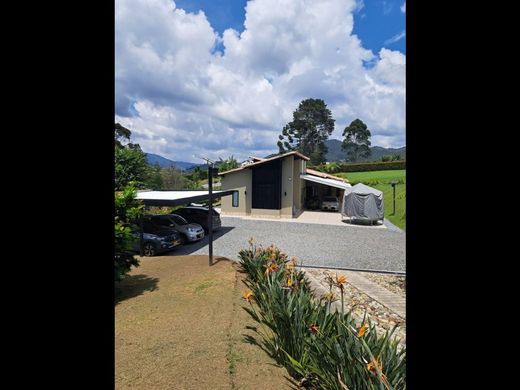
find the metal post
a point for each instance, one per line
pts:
(394, 183)
(394, 200)
(141, 236)
(210, 214)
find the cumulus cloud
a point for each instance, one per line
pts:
(403, 8)
(180, 97)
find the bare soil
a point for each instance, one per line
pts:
(179, 324)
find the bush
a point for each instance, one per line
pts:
(364, 167)
(323, 349)
(127, 210)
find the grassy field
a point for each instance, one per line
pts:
(381, 180)
(180, 325)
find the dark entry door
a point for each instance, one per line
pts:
(267, 180)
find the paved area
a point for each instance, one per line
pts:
(349, 246)
(318, 217)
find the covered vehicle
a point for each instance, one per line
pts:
(363, 202)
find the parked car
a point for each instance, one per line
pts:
(156, 239)
(189, 231)
(330, 203)
(198, 214)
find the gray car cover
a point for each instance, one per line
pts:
(361, 201)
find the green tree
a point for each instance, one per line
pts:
(127, 212)
(226, 165)
(130, 166)
(154, 179)
(396, 157)
(311, 126)
(356, 143)
(121, 133)
(386, 158)
(173, 179)
(130, 160)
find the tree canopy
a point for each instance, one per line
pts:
(226, 165)
(311, 126)
(356, 143)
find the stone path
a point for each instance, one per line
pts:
(364, 299)
(387, 298)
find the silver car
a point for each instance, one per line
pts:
(330, 203)
(189, 231)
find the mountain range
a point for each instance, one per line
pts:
(335, 153)
(166, 163)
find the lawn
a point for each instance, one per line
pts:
(180, 325)
(381, 180)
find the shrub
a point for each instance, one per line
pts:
(364, 167)
(323, 349)
(127, 210)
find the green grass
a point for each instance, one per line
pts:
(381, 181)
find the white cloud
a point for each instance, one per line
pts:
(181, 98)
(360, 4)
(403, 8)
(395, 38)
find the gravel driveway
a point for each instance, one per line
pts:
(320, 245)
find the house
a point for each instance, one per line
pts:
(277, 187)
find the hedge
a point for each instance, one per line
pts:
(362, 167)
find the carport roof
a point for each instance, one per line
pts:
(327, 182)
(176, 198)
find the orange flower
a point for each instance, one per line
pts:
(372, 366)
(314, 328)
(340, 279)
(294, 261)
(271, 269)
(248, 296)
(362, 330)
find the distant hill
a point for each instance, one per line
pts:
(165, 163)
(335, 153)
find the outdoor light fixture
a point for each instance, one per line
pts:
(394, 183)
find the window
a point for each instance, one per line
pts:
(235, 199)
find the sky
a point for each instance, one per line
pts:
(217, 78)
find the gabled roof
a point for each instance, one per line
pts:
(263, 161)
(325, 175)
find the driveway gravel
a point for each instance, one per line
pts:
(348, 246)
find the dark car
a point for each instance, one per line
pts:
(157, 239)
(199, 214)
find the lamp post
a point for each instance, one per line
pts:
(394, 183)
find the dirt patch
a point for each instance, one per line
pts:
(179, 325)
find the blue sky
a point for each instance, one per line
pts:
(190, 82)
(377, 23)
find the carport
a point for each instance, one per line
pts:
(320, 184)
(182, 197)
